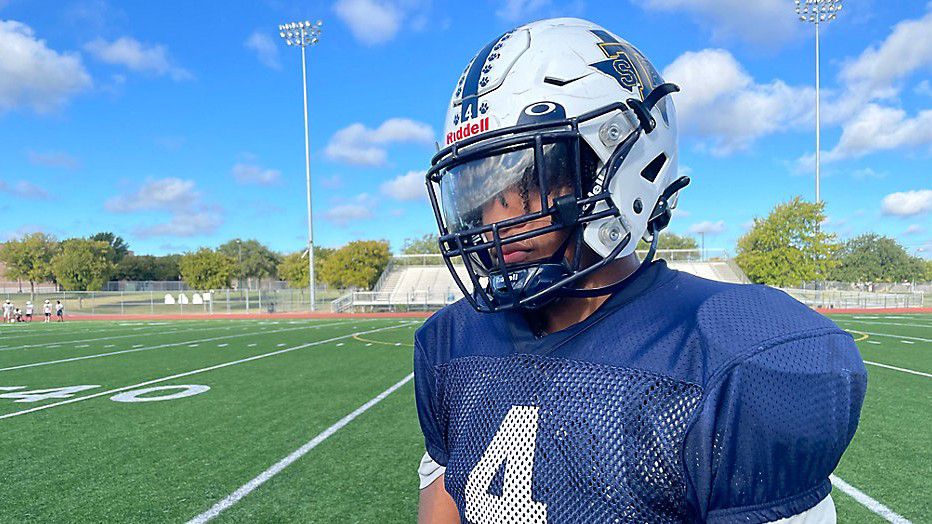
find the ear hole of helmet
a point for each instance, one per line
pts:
(652, 169)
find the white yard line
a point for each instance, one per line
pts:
(865, 500)
(902, 337)
(96, 329)
(913, 324)
(190, 343)
(47, 344)
(276, 468)
(904, 370)
(201, 326)
(244, 490)
(194, 372)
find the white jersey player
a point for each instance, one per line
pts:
(29, 309)
(7, 311)
(48, 311)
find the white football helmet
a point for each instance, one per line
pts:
(559, 102)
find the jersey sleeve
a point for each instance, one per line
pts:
(772, 428)
(425, 392)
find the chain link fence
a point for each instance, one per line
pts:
(184, 302)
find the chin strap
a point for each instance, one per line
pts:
(660, 217)
(612, 288)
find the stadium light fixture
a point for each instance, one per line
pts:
(303, 34)
(817, 12)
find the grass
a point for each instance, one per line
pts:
(168, 461)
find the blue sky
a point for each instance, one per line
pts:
(178, 124)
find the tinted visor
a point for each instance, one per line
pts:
(467, 190)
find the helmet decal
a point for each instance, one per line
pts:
(626, 64)
(476, 77)
(548, 131)
(541, 112)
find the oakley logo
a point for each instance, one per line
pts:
(540, 109)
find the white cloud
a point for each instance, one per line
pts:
(358, 208)
(873, 78)
(265, 48)
(879, 128)
(53, 159)
(346, 213)
(171, 194)
(923, 88)
(867, 172)
(248, 173)
(371, 21)
(761, 22)
(722, 104)
(34, 76)
(136, 56)
(202, 221)
(359, 145)
(708, 227)
(410, 186)
(907, 203)
(24, 189)
(907, 49)
(188, 214)
(914, 229)
(520, 10)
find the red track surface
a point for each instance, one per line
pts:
(253, 316)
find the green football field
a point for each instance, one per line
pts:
(314, 421)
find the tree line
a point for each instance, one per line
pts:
(87, 264)
(786, 248)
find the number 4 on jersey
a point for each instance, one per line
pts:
(513, 445)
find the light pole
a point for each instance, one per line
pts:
(304, 34)
(817, 12)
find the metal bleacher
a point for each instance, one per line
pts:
(423, 282)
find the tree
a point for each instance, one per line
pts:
(207, 269)
(168, 267)
(119, 246)
(426, 245)
(253, 260)
(357, 264)
(30, 258)
(83, 265)
(874, 258)
(787, 248)
(294, 268)
(148, 267)
(670, 240)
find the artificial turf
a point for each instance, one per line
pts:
(168, 461)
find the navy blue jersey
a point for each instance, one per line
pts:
(679, 400)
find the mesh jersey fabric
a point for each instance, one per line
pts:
(679, 400)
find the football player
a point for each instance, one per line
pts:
(575, 382)
(7, 311)
(47, 309)
(60, 310)
(29, 309)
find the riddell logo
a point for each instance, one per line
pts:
(467, 130)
